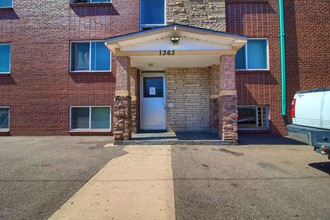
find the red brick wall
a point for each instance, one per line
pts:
(259, 20)
(40, 88)
(307, 52)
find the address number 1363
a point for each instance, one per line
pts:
(166, 52)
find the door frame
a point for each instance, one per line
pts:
(152, 74)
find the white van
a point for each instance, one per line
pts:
(310, 112)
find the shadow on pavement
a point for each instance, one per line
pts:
(247, 139)
(323, 166)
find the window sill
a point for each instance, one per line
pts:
(87, 72)
(4, 132)
(87, 4)
(246, 1)
(265, 71)
(90, 132)
(7, 8)
(3, 73)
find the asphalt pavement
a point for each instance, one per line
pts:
(65, 177)
(256, 180)
(38, 174)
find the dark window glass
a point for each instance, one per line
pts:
(80, 118)
(4, 58)
(152, 12)
(100, 118)
(80, 56)
(240, 59)
(253, 55)
(100, 56)
(153, 87)
(253, 117)
(6, 3)
(257, 54)
(247, 117)
(90, 56)
(4, 118)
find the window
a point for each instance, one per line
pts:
(253, 117)
(253, 56)
(6, 3)
(153, 87)
(90, 56)
(90, 118)
(4, 118)
(90, 1)
(152, 13)
(4, 58)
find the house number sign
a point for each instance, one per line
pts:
(166, 52)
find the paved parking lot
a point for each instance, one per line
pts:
(265, 178)
(38, 174)
(262, 178)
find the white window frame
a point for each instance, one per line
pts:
(9, 58)
(246, 56)
(6, 129)
(150, 26)
(257, 118)
(90, 58)
(90, 119)
(11, 6)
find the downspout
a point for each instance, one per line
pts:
(283, 60)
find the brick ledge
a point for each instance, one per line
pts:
(246, 1)
(90, 132)
(79, 5)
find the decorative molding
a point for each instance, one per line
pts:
(119, 53)
(228, 92)
(123, 93)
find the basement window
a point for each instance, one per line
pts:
(253, 117)
(253, 56)
(91, 56)
(90, 118)
(4, 118)
(5, 50)
(6, 3)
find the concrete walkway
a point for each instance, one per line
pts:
(138, 185)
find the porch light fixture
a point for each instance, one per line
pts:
(175, 39)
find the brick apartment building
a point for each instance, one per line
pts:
(115, 67)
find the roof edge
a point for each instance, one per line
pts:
(159, 29)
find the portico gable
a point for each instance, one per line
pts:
(172, 50)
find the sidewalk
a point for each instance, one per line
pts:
(138, 185)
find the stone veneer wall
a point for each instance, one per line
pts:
(208, 14)
(214, 100)
(189, 90)
(135, 94)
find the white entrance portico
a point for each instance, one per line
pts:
(177, 78)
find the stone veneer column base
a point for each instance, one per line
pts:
(214, 110)
(135, 116)
(122, 118)
(228, 117)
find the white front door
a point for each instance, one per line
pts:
(153, 101)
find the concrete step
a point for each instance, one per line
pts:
(172, 138)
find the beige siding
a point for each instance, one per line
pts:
(189, 91)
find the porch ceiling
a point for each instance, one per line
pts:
(153, 49)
